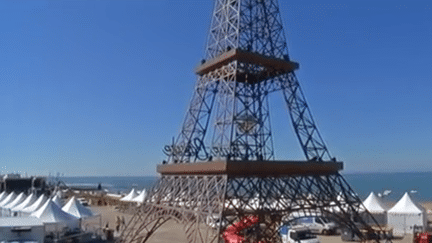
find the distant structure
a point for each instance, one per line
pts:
(16, 183)
(221, 170)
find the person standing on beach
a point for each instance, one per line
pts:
(118, 223)
(123, 222)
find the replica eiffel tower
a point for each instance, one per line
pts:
(221, 178)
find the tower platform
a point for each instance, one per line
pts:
(268, 66)
(252, 168)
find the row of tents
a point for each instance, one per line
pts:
(134, 196)
(403, 216)
(50, 211)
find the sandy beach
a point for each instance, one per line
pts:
(173, 232)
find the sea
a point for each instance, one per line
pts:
(391, 186)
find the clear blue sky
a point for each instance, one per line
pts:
(99, 87)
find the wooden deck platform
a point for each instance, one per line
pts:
(270, 66)
(252, 168)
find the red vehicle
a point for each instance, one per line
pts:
(231, 234)
(421, 237)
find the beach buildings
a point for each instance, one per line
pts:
(16, 183)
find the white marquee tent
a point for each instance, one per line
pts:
(54, 218)
(8, 199)
(6, 208)
(128, 198)
(405, 214)
(3, 195)
(27, 202)
(377, 208)
(35, 206)
(141, 197)
(19, 199)
(57, 200)
(77, 209)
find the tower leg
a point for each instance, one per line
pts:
(192, 201)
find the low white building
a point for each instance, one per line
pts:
(405, 214)
(19, 229)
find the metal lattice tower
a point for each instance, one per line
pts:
(221, 169)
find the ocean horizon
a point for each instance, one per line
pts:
(415, 183)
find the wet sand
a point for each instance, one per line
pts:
(173, 232)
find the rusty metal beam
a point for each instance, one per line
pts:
(252, 168)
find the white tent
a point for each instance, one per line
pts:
(405, 214)
(8, 199)
(35, 206)
(141, 197)
(57, 200)
(77, 209)
(27, 202)
(19, 199)
(128, 198)
(3, 195)
(6, 212)
(376, 207)
(54, 217)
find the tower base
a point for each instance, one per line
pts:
(212, 207)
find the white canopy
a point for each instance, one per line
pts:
(374, 204)
(51, 213)
(27, 202)
(75, 208)
(57, 200)
(128, 198)
(3, 195)
(405, 214)
(406, 205)
(8, 199)
(19, 199)
(140, 198)
(36, 205)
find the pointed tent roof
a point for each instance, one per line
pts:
(140, 198)
(50, 212)
(27, 202)
(128, 198)
(8, 199)
(57, 200)
(77, 209)
(374, 204)
(406, 205)
(19, 199)
(3, 195)
(59, 193)
(36, 205)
